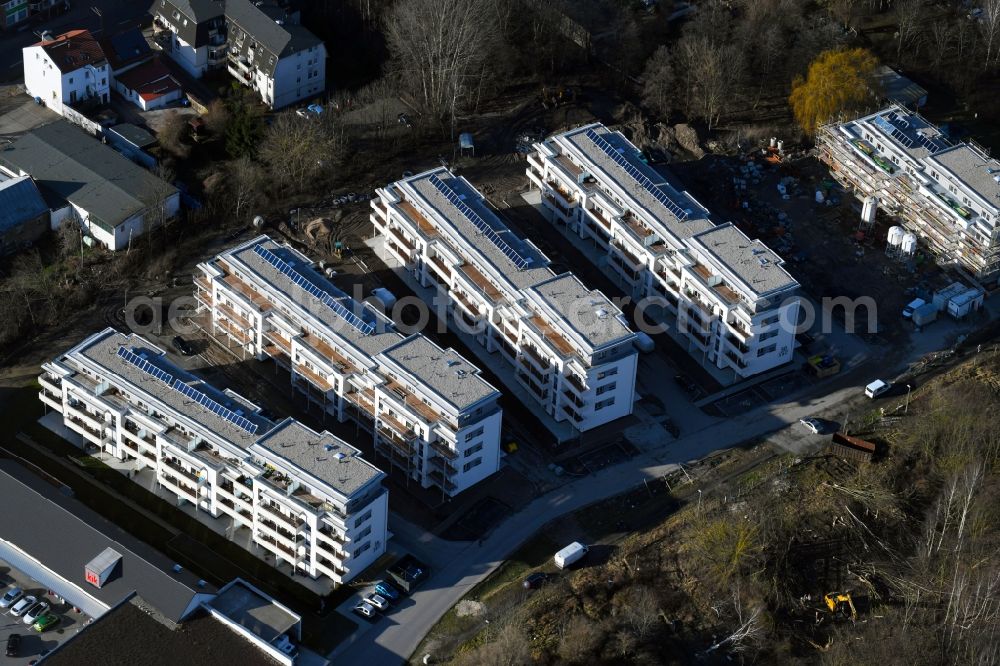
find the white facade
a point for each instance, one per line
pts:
(196, 59)
(57, 87)
(297, 76)
(429, 412)
(118, 237)
(323, 515)
(730, 297)
(570, 346)
(945, 193)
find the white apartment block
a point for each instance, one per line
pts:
(66, 70)
(430, 413)
(570, 346)
(731, 298)
(308, 498)
(948, 195)
(191, 32)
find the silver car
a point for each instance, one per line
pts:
(24, 604)
(35, 612)
(378, 601)
(13, 594)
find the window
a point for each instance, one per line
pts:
(475, 433)
(766, 350)
(607, 387)
(607, 373)
(363, 518)
(474, 450)
(363, 533)
(603, 403)
(469, 465)
(363, 548)
(769, 334)
(770, 320)
(71, 79)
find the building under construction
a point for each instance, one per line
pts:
(946, 193)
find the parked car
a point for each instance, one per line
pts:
(13, 645)
(45, 622)
(35, 612)
(18, 609)
(182, 345)
(686, 384)
(386, 590)
(877, 388)
(535, 580)
(378, 601)
(315, 109)
(815, 426)
(366, 610)
(12, 595)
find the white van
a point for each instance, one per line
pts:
(570, 554)
(877, 388)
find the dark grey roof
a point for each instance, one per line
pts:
(134, 134)
(200, 15)
(78, 168)
(64, 535)
(20, 201)
(256, 613)
(897, 88)
(260, 24)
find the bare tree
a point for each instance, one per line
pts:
(747, 630)
(299, 150)
(989, 27)
(659, 82)
(245, 178)
(440, 48)
(909, 17)
(713, 71)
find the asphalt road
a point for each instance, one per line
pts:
(392, 639)
(118, 14)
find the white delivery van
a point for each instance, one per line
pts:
(570, 554)
(877, 388)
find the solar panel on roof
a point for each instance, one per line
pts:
(519, 261)
(637, 175)
(145, 365)
(239, 421)
(297, 278)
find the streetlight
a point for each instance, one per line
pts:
(906, 408)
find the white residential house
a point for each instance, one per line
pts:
(570, 346)
(428, 410)
(191, 32)
(729, 297)
(307, 498)
(67, 70)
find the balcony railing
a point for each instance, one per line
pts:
(446, 452)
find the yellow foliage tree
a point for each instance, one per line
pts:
(838, 80)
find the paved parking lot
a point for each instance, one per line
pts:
(34, 644)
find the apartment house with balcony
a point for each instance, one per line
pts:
(731, 299)
(308, 498)
(948, 194)
(270, 52)
(570, 346)
(430, 413)
(191, 32)
(66, 70)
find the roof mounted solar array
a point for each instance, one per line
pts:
(287, 269)
(929, 143)
(892, 130)
(480, 223)
(639, 176)
(145, 365)
(226, 413)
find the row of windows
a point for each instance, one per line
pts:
(469, 465)
(474, 450)
(603, 403)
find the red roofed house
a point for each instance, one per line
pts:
(149, 85)
(67, 70)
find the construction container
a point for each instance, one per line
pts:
(942, 296)
(966, 302)
(851, 448)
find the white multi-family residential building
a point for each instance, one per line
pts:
(430, 413)
(272, 54)
(308, 498)
(570, 346)
(731, 298)
(947, 194)
(262, 44)
(67, 70)
(191, 32)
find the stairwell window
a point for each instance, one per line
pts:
(469, 436)
(363, 518)
(473, 450)
(607, 387)
(766, 350)
(469, 465)
(603, 403)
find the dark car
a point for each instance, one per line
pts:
(404, 120)
(535, 580)
(13, 645)
(386, 590)
(686, 384)
(182, 345)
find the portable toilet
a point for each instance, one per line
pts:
(465, 143)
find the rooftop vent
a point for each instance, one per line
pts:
(452, 363)
(340, 456)
(202, 583)
(461, 373)
(177, 568)
(329, 447)
(601, 313)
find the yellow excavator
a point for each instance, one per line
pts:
(839, 601)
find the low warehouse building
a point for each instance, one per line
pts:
(24, 215)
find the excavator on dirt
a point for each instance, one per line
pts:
(841, 602)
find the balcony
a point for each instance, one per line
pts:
(484, 286)
(279, 342)
(463, 299)
(446, 452)
(409, 399)
(240, 335)
(443, 465)
(397, 429)
(180, 469)
(576, 383)
(637, 227)
(363, 401)
(441, 267)
(735, 359)
(53, 384)
(624, 254)
(439, 478)
(528, 350)
(559, 341)
(313, 377)
(274, 512)
(399, 446)
(402, 240)
(572, 413)
(574, 398)
(256, 298)
(426, 228)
